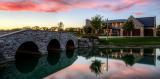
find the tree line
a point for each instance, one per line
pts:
(60, 27)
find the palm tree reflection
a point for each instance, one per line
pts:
(129, 59)
(96, 67)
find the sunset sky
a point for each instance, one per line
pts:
(19, 13)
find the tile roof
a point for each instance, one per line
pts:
(118, 20)
(147, 21)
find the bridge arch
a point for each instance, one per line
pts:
(54, 44)
(70, 44)
(28, 47)
(27, 57)
(70, 48)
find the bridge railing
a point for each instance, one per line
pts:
(4, 35)
(11, 33)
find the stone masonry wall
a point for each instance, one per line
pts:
(11, 42)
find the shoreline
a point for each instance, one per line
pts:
(128, 46)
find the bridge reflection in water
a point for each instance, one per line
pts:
(31, 66)
(27, 66)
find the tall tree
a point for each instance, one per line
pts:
(129, 27)
(60, 26)
(44, 28)
(26, 27)
(96, 23)
(71, 29)
(105, 27)
(36, 28)
(87, 30)
(53, 28)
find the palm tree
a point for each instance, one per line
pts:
(96, 23)
(129, 26)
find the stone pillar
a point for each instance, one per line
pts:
(154, 32)
(142, 32)
(121, 32)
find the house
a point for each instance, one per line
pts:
(143, 26)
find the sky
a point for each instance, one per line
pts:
(73, 13)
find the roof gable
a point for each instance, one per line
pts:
(137, 23)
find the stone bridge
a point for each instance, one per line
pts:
(35, 41)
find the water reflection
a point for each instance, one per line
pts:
(91, 64)
(158, 58)
(129, 55)
(53, 57)
(26, 63)
(129, 59)
(1, 57)
(27, 66)
(96, 66)
(70, 52)
(111, 64)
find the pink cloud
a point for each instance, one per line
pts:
(67, 5)
(17, 6)
(126, 4)
(138, 13)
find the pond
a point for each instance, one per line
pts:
(115, 63)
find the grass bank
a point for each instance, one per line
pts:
(131, 41)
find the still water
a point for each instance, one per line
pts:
(124, 63)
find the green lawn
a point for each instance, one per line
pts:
(131, 41)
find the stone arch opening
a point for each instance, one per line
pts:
(28, 48)
(70, 49)
(27, 57)
(53, 45)
(70, 44)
